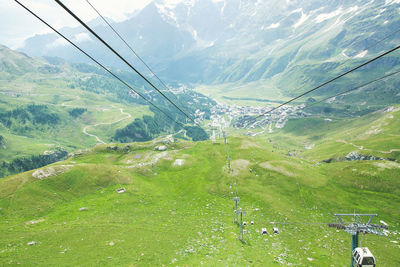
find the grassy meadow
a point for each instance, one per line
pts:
(178, 209)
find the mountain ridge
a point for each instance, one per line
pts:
(247, 44)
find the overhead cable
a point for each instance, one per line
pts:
(371, 46)
(133, 51)
(353, 89)
(98, 63)
(121, 57)
(327, 82)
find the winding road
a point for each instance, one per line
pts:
(362, 148)
(84, 130)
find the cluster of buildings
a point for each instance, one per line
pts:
(243, 117)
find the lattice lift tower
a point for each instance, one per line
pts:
(356, 228)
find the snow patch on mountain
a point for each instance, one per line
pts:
(199, 42)
(325, 16)
(303, 18)
(171, 4)
(361, 54)
(274, 25)
(223, 6)
(166, 13)
(342, 19)
(344, 53)
(296, 11)
(391, 2)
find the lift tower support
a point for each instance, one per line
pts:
(356, 228)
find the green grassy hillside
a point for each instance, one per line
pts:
(49, 104)
(178, 210)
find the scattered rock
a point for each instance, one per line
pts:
(31, 243)
(121, 190)
(179, 162)
(310, 259)
(169, 140)
(160, 148)
(78, 153)
(352, 156)
(309, 147)
(390, 109)
(127, 148)
(35, 221)
(83, 209)
(387, 165)
(112, 148)
(51, 171)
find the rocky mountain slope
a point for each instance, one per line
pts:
(281, 43)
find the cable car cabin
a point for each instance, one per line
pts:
(363, 257)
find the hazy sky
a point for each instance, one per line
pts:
(16, 24)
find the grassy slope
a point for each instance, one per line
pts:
(183, 215)
(54, 91)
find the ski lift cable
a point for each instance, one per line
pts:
(367, 48)
(327, 82)
(97, 62)
(372, 46)
(353, 89)
(133, 51)
(122, 58)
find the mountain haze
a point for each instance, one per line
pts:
(91, 174)
(243, 41)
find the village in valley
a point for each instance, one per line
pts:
(242, 117)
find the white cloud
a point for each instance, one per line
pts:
(16, 24)
(82, 37)
(58, 42)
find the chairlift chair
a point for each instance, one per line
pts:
(263, 231)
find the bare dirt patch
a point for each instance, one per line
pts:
(280, 169)
(246, 144)
(151, 159)
(34, 221)
(179, 162)
(387, 165)
(51, 171)
(239, 166)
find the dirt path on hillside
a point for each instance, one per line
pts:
(64, 104)
(84, 130)
(367, 149)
